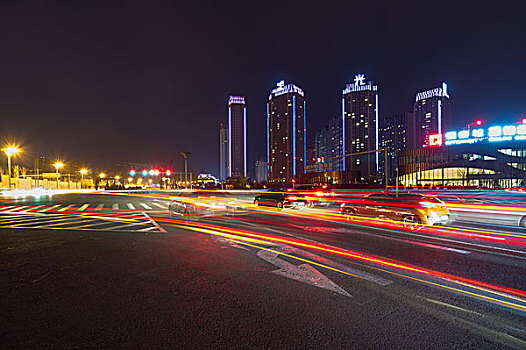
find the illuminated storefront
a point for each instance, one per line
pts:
(483, 157)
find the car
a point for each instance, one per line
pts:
(315, 195)
(280, 198)
(413, 210)
(199, 204)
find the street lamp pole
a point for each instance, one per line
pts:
(185, 156)
(10, 151)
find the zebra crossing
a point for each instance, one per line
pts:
(154, 206)
(100, 217)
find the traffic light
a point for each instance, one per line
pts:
(133, 172)
(144, 172)
(478, 122)
(168, 172)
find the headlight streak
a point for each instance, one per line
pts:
(240, 236)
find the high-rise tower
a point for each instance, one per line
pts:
(431, 116)
(286, 133)
(223, 153)
(237, 137)
(360, 130)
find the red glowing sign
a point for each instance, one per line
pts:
(478, 122)
(523, 120)
(435, 140)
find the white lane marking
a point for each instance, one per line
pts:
(99, 207)
(302, 273)
(130, 206)
(145, 206)
(152, 221)
(451, 306)
(52, 207)
(160, 205)
(84, 207)
(115, 206)
(66, 207)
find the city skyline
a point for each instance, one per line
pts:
(141, 90)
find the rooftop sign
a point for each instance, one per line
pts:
(282, 89)
(436, 92)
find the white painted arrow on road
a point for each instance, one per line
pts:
(302, 273)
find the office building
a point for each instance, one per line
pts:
(360, 131)
(237, 137)
(493, 157)
(432, 116)
(327, 149)
(223, 153)
(261, 171)
(286, 133)
(393, 136)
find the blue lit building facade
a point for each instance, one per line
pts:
(286, 134)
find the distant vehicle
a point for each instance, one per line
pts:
(280, 198)
(199, 204)
(412, 209)
(315, 195)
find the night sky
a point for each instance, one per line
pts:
(106, 82)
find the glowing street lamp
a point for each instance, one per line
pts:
(83, 172)
(102, 175)
(117, 177)
(10, 151)
(58, 165)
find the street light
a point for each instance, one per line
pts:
(10, 151)
(102, 175)
(58, 165)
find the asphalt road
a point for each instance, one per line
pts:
(114, 271)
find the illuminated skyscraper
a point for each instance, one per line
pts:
(223, 152)
(286, 133)
(360, 130)
(393, 137)
(237, 137)
(431, 116)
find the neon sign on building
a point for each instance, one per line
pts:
(491, 134)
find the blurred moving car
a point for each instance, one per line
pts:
(315, 195)
(198, 204)
(412, 209)
(280, 198)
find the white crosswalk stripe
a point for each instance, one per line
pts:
(145, 206)
(84, 207)
(115, 206)
(99, 207)
(7, 208)
(160, 205)
(130, 206)
(50, 208)
(66, 207)
(16, 209)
